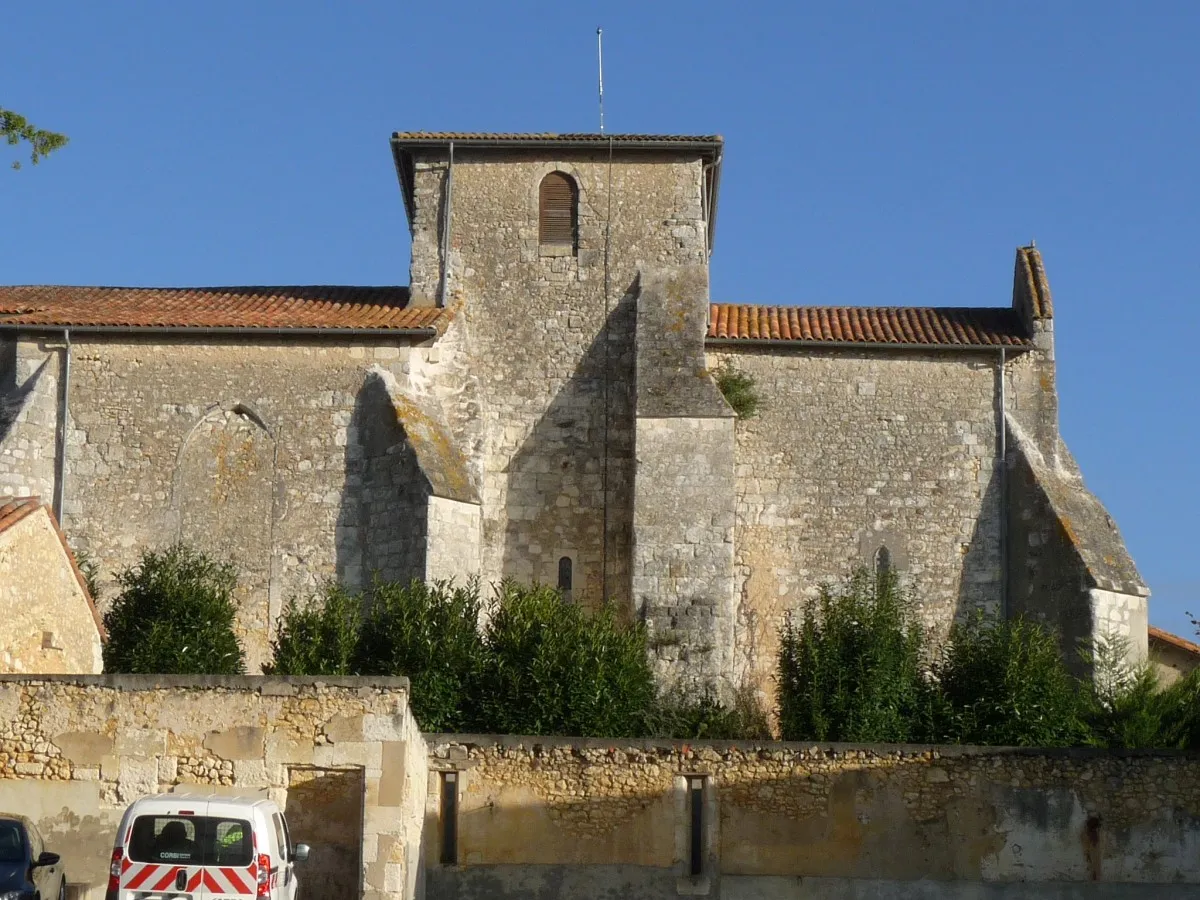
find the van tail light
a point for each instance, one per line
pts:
(114, 874)
(264, 875)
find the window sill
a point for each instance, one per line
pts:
(556, 250)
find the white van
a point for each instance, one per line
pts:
(203, 848)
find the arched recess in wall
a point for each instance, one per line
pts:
(224, 501)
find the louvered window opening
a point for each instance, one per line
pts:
(558, 210)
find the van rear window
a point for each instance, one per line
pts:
(191, 841)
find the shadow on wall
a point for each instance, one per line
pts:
(325, 811)
(12, 395)
(383, 518)
(556, 481)
(981, 586)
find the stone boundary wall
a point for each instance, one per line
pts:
(615, 818)
(76, 750)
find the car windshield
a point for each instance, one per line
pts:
(12, 842)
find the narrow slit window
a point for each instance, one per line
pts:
(883, 562)
(449, 818)
(558, 211)
(696, 808)
(566, 576)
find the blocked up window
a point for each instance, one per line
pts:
(558, 211)
(566, 576)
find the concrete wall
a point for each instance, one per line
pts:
(287, 457)
(853, 451)
(543, 329)
(75, 751)
(47, 622)
(548, 817)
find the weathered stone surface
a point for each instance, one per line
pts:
(867, 814)
(102, 742)
(47, 622)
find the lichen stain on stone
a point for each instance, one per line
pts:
(235, 465)
(439, 459)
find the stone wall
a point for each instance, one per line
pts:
(550, 338)
(453, 552)
(29, 413)
(1068, 566)
(543, 817)
(853, 451)
(285, 456)
(683, 505)
(74, 752)
(47, 621)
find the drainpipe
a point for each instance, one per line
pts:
(449, 192)
(63, 415)
(708, 198)
(1002, 439)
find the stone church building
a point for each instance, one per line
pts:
(540, 403)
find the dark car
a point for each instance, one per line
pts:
(27, 870)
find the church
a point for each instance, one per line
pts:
(543, 401)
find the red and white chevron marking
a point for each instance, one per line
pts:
(153, 878)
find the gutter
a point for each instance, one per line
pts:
(64, 413)
(248, 331)
(712, 147)
(447, 197)
(857, 345)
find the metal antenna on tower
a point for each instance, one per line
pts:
(600, 57)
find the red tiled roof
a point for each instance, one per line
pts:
(14, 509)
(1157, 634)
(891, 326)
(286, 308)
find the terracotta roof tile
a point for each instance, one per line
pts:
(14, 509)
(893, 326)
(298, 307)
(1157, 634)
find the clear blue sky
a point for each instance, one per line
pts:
(877, 153)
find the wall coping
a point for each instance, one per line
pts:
(812, 748)
(264, 684)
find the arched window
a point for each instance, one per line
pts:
(565, 576)
(558, 211)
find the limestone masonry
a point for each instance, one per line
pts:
(539, 403)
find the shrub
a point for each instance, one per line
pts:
(852, 670)
(552, 668)
(738, 389)
(1129, 709)
(90, 570)
(174, 614)
(701, 716)
(430, 634)
(1005, 682)
(319, 639)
